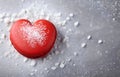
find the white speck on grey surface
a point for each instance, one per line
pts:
(83, 45)
(113, 19)
(67, 18)
(57, 63)
(75, 53)
(53, 67)
(71, 14)
(25, 60)
(74, 64)
(7, 20)
(100, 41)
(46, 68)
(89, 37)
(69, 59)
(76, 24)
(3, 36)
(32, 73)
(62, 65)
(33, 63)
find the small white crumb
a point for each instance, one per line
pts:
(35, 70)
(22, 0)
(69, 59)
(25, 59)
(62, 65)
(58, 14)
(74, 64)
(57, 52)
(83, 45)
(71, 14)
(8, 14)
(3, 36)
(89, 37)
(76, 24)
(2, 15)
(7, 20)
(64, 22)
(46, 69)
(100, 41)
(56, 64)
(47, 18)
(68, 18)
(113, 19)
(6, 53)
(33, 63)
(0, 41)
(31, 73)
(75, 53)
(53, 68)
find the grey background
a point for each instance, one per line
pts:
(96, 18)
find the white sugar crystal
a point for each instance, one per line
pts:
(56, 64)
(71, 14)
(74, 64)
(2, 15)
(25, 59)
(75, 53)
(46, 69)
(68, 18)
(76, 23)
(89, 37)
(83, 45)
(64, 22)
(31, 73)
(100, 41)
(0, 41)
(22, 0)
(7, 20)
(6, 54)
(58, 14)
(3, 36)
(33, 63)
(53, 68)
(62, 65)
(69, 59)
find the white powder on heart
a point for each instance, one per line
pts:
(34, 35)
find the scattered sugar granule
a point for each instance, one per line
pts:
(7, 20)
(76, 24)
(69, 59)
(25, 59)
(32, 73)
(46, 69)
(33, 63)
(100, 41)
(89, 37)
(53, 67)
(68, 18)
(75, 53)
(33, 35)
(3, 36)
(74, 64)
(62, 65)
(71, 14)
(56, 64)
(83, 45)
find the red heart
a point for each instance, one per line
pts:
(35, 40)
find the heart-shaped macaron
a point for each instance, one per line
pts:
(33, 40)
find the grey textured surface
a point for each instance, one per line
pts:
(98, 18)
